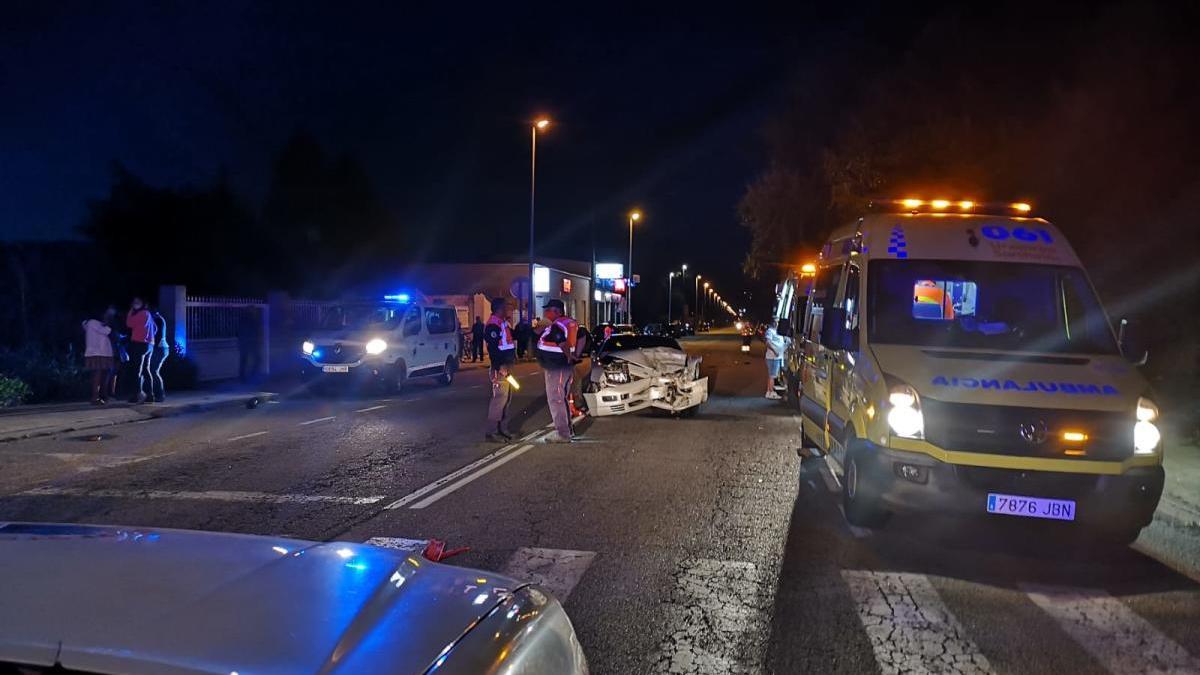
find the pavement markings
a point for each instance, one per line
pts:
(499, 462)
(399, 543)
(245, 436)
(207, 495)
(1114, 634)
(720, 611)
(319, 419)
(374, 407)
(910, 629)
(556, 570)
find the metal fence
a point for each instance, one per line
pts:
(211, 318)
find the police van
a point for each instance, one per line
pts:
(954, 358)
(386, 342)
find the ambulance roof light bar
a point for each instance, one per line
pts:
(918, 205)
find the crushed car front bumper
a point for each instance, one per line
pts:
(664, 393)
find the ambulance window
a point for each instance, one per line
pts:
(943, 300)
(412, 321)
(824, 287)
(851, 304)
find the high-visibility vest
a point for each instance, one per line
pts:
(546, 344)
(506, 338)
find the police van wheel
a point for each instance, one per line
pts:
(859, 497)
(447, 375)
(400, 376)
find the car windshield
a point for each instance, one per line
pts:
(617, 343)
(986, 305)
(363, 317)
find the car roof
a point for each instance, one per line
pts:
(146, 600)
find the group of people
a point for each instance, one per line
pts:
(559, 347)
(524, 338)
(127, 355)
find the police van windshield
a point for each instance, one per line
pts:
(986, 305)
(363, 317)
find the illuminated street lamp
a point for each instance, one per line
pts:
(634, 216)
(670, 292)
(540, 124)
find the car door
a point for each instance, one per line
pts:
(815, 379)
(842, 346)
(413, 347)
(441, 324)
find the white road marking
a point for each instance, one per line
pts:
(245, 436)
(910, 629)
(374, 407)
(208, 495)
(556, 570)
(1120, 639)
(319, 419)
(399, 543)
(478, 474)
(421, 492)
(720, 611)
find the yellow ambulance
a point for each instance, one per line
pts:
(954, 359)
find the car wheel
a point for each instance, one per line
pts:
(860, 496)
(447, 376)
(400, 377)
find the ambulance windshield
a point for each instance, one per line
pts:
(986, 305)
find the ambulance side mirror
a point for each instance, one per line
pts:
(1129, 346)
(837, 335)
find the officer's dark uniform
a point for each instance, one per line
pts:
(502, 354)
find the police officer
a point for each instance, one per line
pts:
(502, 353)
(557, 354)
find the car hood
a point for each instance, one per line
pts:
(145, 600)
(1062, 381)
(662, 359)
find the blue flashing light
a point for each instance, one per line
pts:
(398, 297)
(316, 353)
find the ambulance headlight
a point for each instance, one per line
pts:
(307, 347)
(905, 416)
(1146, 436)
(376, 346)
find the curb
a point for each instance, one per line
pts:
(141, 415)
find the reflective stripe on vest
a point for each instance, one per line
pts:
(506, 338)
(564, 324)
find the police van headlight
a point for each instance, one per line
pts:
(376, 347)
(1146, 436)
(307, 347)
(905, 416)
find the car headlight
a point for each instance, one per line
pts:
(307, 347)
(1146, 436)
(376, 346)
(905, 416)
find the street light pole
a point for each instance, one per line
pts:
(696, 304)
(540, 124)
(670, 294)
(633, 216)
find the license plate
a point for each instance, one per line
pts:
(1031, 507)
(335, 369)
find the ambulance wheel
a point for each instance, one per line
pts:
(399, 377)
(447, 375)
(860, 497)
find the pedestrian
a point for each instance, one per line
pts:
(141, 340)
(477, 340)
(249, 337)
(776, 346)
(98, 354)
(501, 354)
(158, 355)
(522, 336)
(556, 352)
(119, 337)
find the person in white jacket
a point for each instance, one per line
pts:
(776, 346)
(98, 354)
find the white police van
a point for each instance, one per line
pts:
(386, 342)
(953, 358)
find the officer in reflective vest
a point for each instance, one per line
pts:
(556, 352)
(498, 335)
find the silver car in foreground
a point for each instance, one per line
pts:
(95, 599)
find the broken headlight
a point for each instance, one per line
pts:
(617, 373)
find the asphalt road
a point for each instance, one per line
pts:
(704, 545)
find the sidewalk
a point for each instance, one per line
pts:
(57, 418)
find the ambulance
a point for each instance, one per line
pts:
(953, 358)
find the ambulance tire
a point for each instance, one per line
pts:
(447, 376)
(859, 496)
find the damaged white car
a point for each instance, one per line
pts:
(634, 372)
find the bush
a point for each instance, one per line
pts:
(12, 391)
(47, 376)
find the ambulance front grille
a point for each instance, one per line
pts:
(997, 429)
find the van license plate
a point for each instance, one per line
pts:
(1031, 507)
(335, 369)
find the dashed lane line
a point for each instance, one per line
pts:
(1110, 631)
(245, 436)
(497, 463)
(207, 495)
(910, 629)
(318, 420)
(369, 409)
